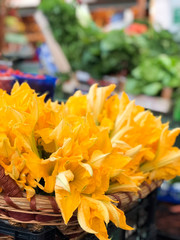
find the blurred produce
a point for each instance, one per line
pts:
(83, 15)
(103, 53)
(153, 43)
(154, 74)
(33, 32)
(102, 16)
(42, 84)
(23, 75)
(14, 24)
(136, 28)
(22, 35)
(63, 21)
(149, 58)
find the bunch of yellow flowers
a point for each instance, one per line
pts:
(93, 145)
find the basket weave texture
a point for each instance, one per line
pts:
(43, 210)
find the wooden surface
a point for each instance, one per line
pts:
(59, 58)
(157, 104)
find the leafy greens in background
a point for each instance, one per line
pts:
(89, 48)
(153, 74)
(153, 43)
(150, 59)
(92, 50)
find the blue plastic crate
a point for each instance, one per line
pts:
(41, 86)
(169, 193)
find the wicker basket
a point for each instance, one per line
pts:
(43, 210)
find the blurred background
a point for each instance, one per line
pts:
(60, 46)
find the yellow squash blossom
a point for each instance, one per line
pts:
(69, 186)
(93, 214)
(81, 150)
(96, 99)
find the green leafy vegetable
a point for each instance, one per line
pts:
(154, 74)
(149, 57)
(152, 89)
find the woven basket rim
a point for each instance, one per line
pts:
(18, 211)
(45, 206)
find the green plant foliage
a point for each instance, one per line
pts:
(153, 74)
(90, 49)
(150, 59)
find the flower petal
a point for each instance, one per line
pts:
(62, 180)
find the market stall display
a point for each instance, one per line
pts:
(125, 55)
(88, 165)
(96, 48)
(103, 53)
(33, 31)
(164, 73)
(80, 153)
(21, 40)
(16, 44)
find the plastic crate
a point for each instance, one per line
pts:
(47, 233)
(19, 233)
(46, 85)
(40, 85)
